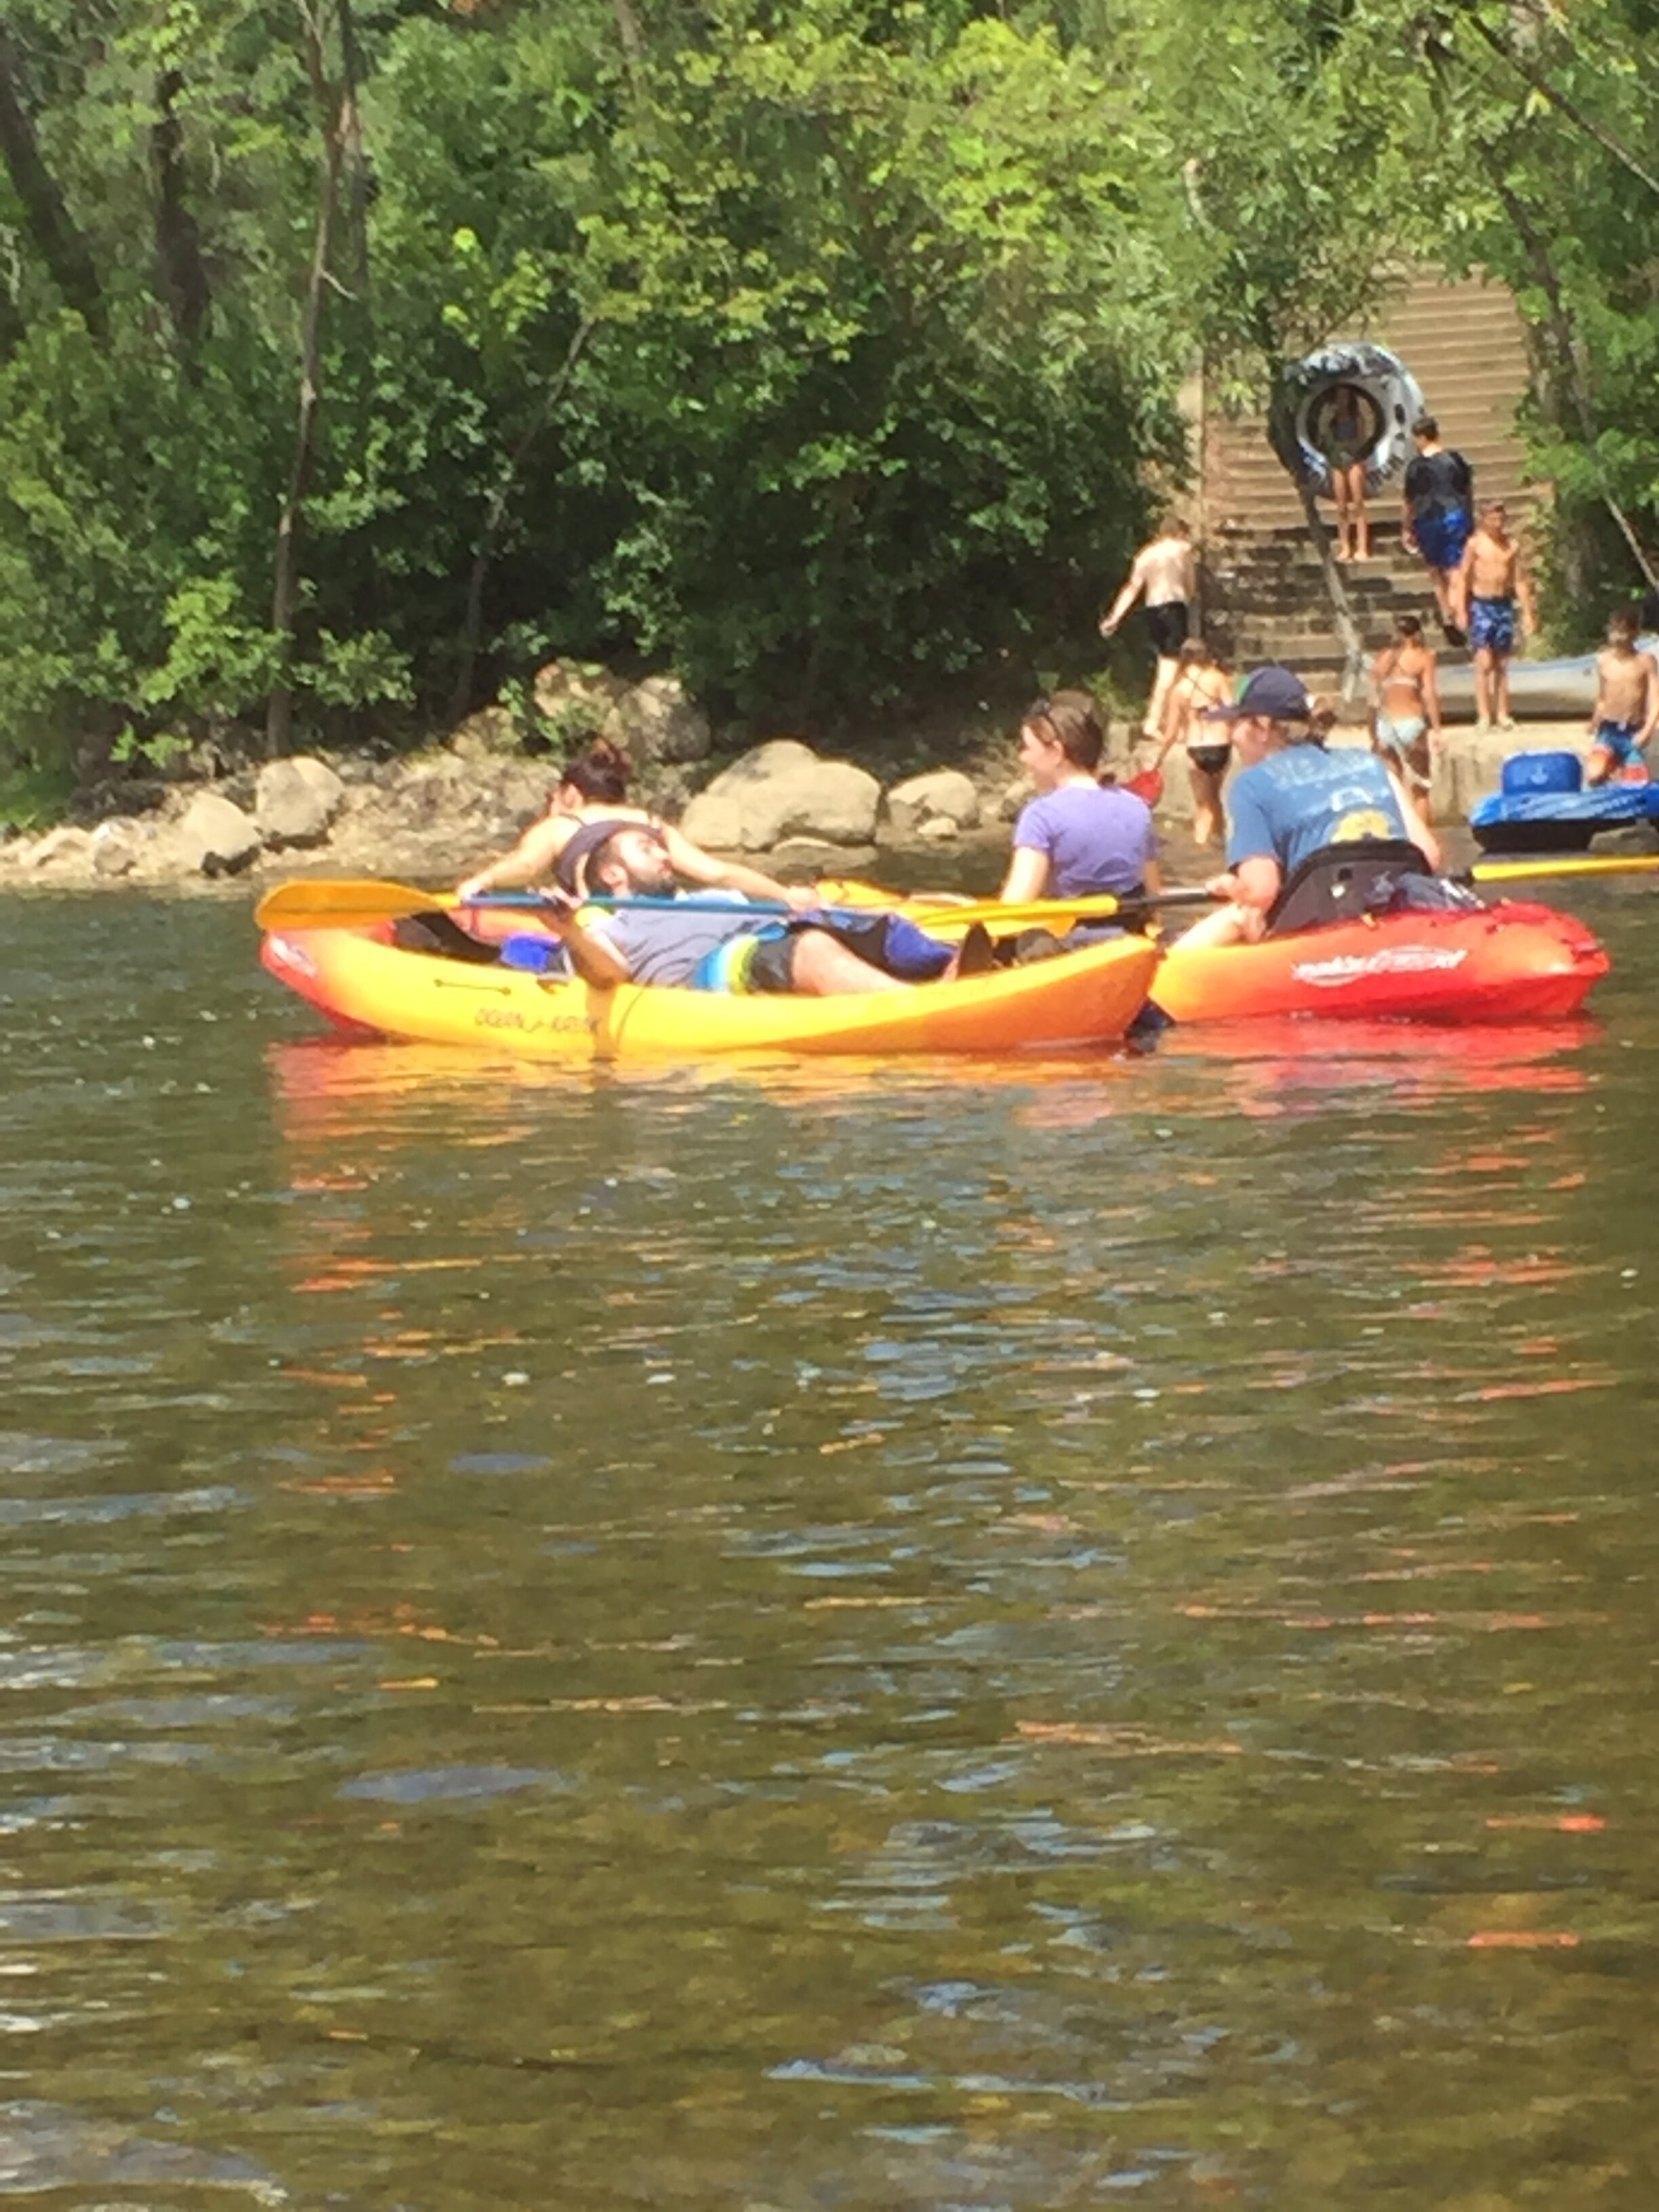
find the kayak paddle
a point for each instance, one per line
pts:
(319, 902)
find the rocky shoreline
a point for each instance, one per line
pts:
(436, 814)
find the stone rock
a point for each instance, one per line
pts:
(296, 800)
(1632, 840)
(943, 795)
(485, 736)
(781, 790)
(214, 837)
(802, 859)
(1015, 795)
(937, 830)
(61, 847)
(116, 847)
(572, 692)
(655, 723)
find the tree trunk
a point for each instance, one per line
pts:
(285, 589)
(356, 160)
(181, 277)
(59, 243)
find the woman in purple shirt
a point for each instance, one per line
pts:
(1078, 836)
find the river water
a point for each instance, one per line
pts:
(841, 1638)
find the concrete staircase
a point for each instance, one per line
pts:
(1264, 596)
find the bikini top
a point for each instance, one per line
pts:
(1394, 673)
(1198, 697)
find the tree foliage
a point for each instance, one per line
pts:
(825, 351)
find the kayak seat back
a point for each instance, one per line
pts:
(1341, 882)
(1527, 773)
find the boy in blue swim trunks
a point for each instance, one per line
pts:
(1627, 709)
(1492, 589)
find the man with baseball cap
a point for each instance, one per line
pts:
(1292, 803)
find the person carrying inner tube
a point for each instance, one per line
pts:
(1344, 423)
(1293, 804)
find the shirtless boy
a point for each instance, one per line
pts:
(1627, 709)
(1492, 588)
(1166, 570)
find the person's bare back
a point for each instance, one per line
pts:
(1166, 570)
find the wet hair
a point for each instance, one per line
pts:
(600, 773)
(1196, 653)
(1409, 625)
(1626, 620)
(1072, 720)
(1425, 427)
(1320, 722)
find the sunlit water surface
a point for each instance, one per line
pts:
(844, 1637)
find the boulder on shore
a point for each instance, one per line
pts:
(215, 838)
(296, 800)
(656, 724)
(942, 795)
(782, 790)
(572, 692)
(64, 845)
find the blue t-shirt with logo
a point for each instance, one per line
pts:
(1097, 838)
(1297, 801)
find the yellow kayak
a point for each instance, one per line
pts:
(368, 986)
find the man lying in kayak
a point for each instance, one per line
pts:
(707, 948)
(1294, 808)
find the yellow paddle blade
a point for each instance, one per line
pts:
(320, 903)
(1565, 864)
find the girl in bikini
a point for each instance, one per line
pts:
(1406, 718)
(1200, 684)
(591, 796)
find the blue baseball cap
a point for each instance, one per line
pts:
(1274, 692)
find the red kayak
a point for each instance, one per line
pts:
(1508, 962)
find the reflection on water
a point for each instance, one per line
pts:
(826, 1636)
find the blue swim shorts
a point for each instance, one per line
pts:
(1441, 535)
(1622, 740)
(762, 960)
(1492, 625)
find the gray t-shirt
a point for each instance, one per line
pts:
(664, 944)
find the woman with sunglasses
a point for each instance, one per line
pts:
(591, 793)
(1078, 837)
